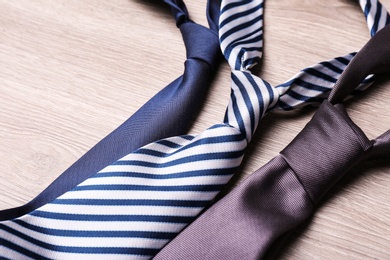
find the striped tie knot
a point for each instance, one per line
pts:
(251, 97)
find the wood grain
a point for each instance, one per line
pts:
(72, 71)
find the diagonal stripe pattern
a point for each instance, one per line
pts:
(133, 207)
(312, 85)
(376, 15)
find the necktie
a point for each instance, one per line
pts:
(134, 206)
(282, 194)
(168, 113)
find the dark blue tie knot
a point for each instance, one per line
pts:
(179, 11)
(201, 43)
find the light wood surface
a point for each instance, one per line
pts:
(71, 71)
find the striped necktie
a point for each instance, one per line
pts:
(169, 113)
(282, 194)
(134, 206)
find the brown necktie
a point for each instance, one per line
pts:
(283, 193)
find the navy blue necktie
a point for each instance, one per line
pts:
(168, 113)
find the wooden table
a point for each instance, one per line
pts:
(71, 71)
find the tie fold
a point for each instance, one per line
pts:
(373, 58)
(381, 147)
(329, 137)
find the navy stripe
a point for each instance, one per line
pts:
(111, 218)
(205, 140)
(217, 126)
(310, 86)
(374, 28)
(332, 67)
(320, 75)
(237, 65)
(215, 139)
(248, 103)
(225, 118)
(244, 40)
(240, 27)
(232, 5)
(343, 60)
(259, 97)
(302, 97)
(247, 100)
(136, 202)
(240, 15)
(252, 61)
(20, 249)
(125, 187)
(367, 8)
(287, 83)
(270, 89)
(69, 249)
(235, 106)
(182, 174)
(187, 159)
(284, 105)
(83, 233)
(254, 49)
(170, 144)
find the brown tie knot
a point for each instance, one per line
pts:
(328, 146)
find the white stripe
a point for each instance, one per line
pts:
(314, 80)
(106, 242)
(108, 225)
(233, 37)
(242, 107)
(364, 86)
(234, 54)
(11, 254)
(254, 100)
(383, 19)
(236, 9)
(196, 180)
(206, 148)
(371, 15)
(178, 168)
(22, 243)
(240, 33)
(290, 100)
(180, 141)
(209, 133)
(103, 194)
(238, 21)
(60, 255)
(122, 210)
(305, 91)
